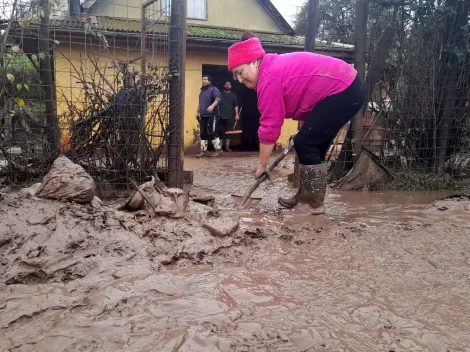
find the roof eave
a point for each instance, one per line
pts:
(280, 20)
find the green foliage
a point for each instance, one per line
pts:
(334, 20)
(419, 181)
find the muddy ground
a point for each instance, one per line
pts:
(380, 272)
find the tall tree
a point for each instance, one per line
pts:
(335, 20)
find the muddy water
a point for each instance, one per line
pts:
(380, 272)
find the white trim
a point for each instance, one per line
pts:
(88, 3)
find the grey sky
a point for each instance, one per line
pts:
(288, 8)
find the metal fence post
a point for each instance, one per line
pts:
(177, 56)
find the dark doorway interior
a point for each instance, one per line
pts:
(247, 100)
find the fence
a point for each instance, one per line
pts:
(93, 83)
(414, 60)
(119, 103)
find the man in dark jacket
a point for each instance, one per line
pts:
(228, 104)
(207, 115)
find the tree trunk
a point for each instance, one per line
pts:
(378, 60)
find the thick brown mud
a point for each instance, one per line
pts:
(380, 272)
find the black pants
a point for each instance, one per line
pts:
(325, 121)
(222, 127)
(208, 128)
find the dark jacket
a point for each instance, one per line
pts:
(227, 105)
(207, 96)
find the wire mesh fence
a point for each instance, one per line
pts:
(417, 77)
(90, 80)
(98, 83)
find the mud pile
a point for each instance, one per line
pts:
(67, 181)
(72, 256)
(47, 241)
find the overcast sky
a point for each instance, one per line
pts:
(288, 8)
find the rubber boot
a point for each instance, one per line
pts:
(311, 193)
(203, 153)
(217, 146)
(227, 145)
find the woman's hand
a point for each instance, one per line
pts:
(261, 170)
(265, 151)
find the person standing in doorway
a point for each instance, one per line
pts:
(228, 110)
(207, 115)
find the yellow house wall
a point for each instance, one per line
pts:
(69, 90)
(194, 62)
(241, 14)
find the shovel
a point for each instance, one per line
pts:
(245, 200)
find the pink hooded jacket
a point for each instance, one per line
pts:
(290, 85)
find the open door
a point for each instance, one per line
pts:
(247, 140)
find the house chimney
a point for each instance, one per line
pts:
(74, 7)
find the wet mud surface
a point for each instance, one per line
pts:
(380, 272)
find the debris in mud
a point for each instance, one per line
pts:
(176, 200)
(67, 181)
(48, 241)
(145, 193)
(41, 219)
(367, 171)
(286, 238)
(96, 202)
(213, 213)
(454, 201)
(206, 200)
(178, 196)
(221, 227)
(457, 197)
(171, 202)
(31, 191)
(256, 233)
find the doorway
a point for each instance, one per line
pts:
(247, 101)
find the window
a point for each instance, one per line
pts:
(197, 9)
(165, 7)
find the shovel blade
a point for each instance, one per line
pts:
(250, 202)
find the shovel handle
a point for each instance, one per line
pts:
(281, 156)
(271, 167)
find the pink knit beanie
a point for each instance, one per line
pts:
(244, 52)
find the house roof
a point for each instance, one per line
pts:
(111, 24)
(133, 27)
(66, 28)
(280, 20)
